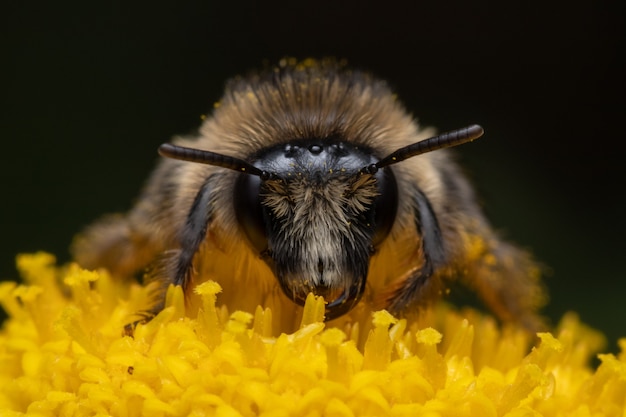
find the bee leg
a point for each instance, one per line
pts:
(419, 286)
(507, 279)
(129, 329)
(175, 267)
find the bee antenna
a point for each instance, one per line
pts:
(211, 158)
(445, 140)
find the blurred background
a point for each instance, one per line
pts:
(90, 89)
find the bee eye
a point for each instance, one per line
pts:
(385, 205)
(249, 211)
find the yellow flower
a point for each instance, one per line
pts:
(62, 353)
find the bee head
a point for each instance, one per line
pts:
(318, 217)
(316, 210)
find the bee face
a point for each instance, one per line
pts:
(318, 206)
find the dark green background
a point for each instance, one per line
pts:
(89, 90)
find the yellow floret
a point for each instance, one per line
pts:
(63, 353)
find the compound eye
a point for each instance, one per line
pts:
(249, 211)
(385, 205)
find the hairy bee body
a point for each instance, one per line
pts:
(185, 227)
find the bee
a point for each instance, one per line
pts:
(310, 177)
